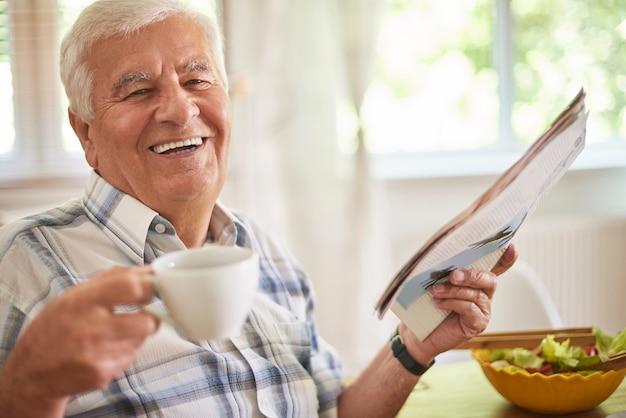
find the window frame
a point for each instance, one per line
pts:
(34, 53)
(39, 153)
(495, 159)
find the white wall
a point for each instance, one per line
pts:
(425, 204)
(21, 199)
(420, 206)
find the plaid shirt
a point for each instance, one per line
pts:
(278, 366)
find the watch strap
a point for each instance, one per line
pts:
(402, 354)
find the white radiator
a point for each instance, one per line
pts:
(583, 264)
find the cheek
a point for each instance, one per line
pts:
(217, 110)
(224, 114)
(217, 115)
(110, 137)
(121, 118)
(121, 130)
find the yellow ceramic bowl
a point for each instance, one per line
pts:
(555, 394)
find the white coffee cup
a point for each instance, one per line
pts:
(207, 291)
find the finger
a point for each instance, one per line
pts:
(145, 269)
(134, 325)
(462, 293)
(464, 301)
(117, 286)
(472, 317)
(506, 261)
(477, 279)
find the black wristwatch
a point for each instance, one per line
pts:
(402, 354)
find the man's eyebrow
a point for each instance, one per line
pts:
(130, 78)
(197, 66)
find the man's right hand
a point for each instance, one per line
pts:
(77, 343)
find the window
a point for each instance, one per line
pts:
(7, 130)
(36, 139)
(435, 88)
(458, 83)
(471, 83)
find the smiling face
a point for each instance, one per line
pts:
(161, 130)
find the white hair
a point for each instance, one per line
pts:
(105, 18)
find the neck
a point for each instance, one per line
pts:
(191, 226)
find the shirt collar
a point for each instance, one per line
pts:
(122, 217)
(127, 221)
(223, 226)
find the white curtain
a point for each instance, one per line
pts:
(289, 62)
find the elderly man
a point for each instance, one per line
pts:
(149, 103)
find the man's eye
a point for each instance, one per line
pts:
(199, 83)
(194, 81)
(138, 92)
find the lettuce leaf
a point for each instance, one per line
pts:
(561, 356)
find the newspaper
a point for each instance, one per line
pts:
(478, 236)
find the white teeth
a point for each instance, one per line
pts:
(159, 149)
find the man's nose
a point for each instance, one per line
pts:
(176, 105)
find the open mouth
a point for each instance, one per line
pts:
(178, 147)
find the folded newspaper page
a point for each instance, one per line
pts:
(478, 236)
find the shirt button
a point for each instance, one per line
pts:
(160, 228)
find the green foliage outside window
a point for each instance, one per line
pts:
(434, 88)
(562, 44)
(441, 85)
(4, 31)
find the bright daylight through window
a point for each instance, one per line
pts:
(453, 77)
(474, 77)
(36, 139)
(7, 130)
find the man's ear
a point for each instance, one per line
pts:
(81, 129)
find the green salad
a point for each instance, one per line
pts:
(552, 357)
